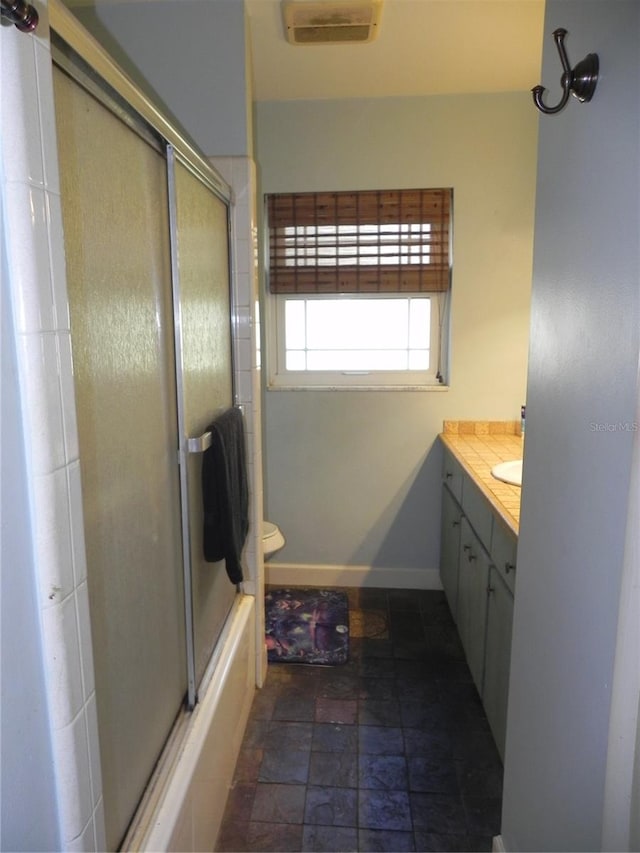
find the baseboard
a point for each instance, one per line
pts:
(313, 574)
(497, 845)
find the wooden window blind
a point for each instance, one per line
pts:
(374, 241)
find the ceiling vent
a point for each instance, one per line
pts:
(331, 21)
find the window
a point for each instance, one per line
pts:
(359, 284)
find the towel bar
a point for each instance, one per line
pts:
(200, 443)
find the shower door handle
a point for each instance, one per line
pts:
(200, 443)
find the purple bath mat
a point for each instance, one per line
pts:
(307, 626)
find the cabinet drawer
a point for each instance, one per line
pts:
(452, 475)
(478, 511)
(504, 548)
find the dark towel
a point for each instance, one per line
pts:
(225, 493)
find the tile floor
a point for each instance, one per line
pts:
(389, 752)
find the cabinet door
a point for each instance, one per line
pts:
(450, 548)
(452, 475)
(498, 656)
(504, 547)
(473, 579)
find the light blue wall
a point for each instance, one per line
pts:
(191, 56)
(581, 393)
(353, 478)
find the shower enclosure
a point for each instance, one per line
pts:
(146, 225)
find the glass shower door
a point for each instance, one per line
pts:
(205, 373)
(147, 253)
(115, 214)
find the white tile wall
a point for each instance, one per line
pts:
(20, 121)
(67, 395)
(78, 550)
(31, 198)
(38, 364)
(65, 688)
(84, 637)
(53, 549)
(71, 756)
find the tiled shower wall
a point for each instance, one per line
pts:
(30, 192)
(35, 259)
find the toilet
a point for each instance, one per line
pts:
(272, 539)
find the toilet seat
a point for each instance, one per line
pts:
(272, 538)
(268, 529)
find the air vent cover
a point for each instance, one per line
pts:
(332, 21)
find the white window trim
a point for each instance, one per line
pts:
(280, 379)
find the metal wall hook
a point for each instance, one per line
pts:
(23, 15)
(581, 82)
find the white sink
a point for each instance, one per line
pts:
(509, 472)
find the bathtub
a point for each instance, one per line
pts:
(185, 802)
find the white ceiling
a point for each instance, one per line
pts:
(424, 47)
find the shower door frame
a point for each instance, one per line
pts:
(103, 80)
(189, 444)
(108, 85)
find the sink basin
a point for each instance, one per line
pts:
(509, 472)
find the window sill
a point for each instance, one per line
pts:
(412, 388)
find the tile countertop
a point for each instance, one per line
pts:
(478, 446)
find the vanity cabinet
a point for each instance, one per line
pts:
(473, 579)
(450, 548)
(478, 571)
